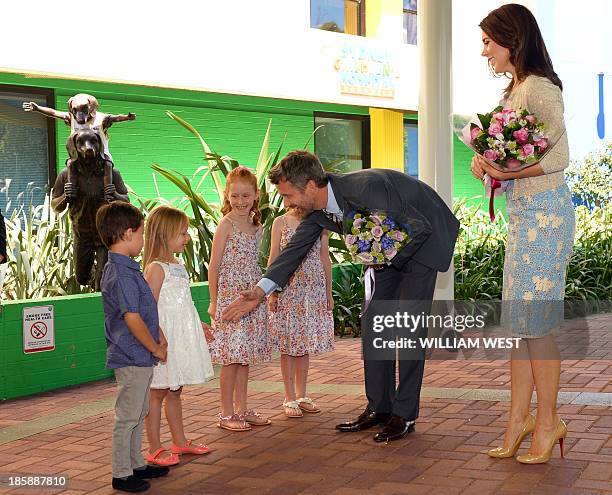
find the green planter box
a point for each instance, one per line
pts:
(80, 347)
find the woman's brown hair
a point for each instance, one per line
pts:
(163, 224)
(241, 173)
(514, 27)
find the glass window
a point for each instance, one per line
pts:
(25, 162)
(411, 148)
(341, 16)
(342, 142)
(410, 22)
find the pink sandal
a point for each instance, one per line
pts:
(170, 460)
(197, 449)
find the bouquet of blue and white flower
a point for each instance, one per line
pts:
(375, 238)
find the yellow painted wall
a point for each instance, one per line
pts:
(387, 138)
(386, 126)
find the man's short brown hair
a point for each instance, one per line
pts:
(299, 167)
(113, 219)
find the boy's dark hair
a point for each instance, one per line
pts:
(298, 167)
(113, 219)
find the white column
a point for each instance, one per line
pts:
(435, 107)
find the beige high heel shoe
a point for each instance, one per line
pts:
(559, 435)
(504, 452)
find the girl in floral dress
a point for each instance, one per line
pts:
(301, 321)
(233, 268)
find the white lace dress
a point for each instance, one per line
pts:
(188, 361)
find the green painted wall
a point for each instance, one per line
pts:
(231, 124)
(80, 346)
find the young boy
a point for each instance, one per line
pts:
(133, 341)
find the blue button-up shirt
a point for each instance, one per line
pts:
(124, 290)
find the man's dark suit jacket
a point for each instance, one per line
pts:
(2, 238)
(433, 227)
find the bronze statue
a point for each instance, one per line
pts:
(84, 197)
(83, 114)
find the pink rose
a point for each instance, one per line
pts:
(499, 117)
(398, 236)
(474, 133)
(509, 117)
(390, 253)
(527, 150)
(521, 136)
(513, 163)
(376, 219)
(530, 118)
(365, 257)
(350, 239)
(357, 223)
(491, 155)
(377, 232)
(495, 128)
(541, 143)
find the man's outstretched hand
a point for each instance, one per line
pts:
(247, 302)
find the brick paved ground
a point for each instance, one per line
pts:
(463, 411)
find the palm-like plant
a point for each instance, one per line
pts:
(206, 216)
(40, 262)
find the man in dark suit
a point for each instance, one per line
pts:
(2, 240)
(325, 201)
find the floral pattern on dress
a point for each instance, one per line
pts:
(538, 250)
(245, 341)
(303, 324)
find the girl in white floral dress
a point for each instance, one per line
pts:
(234, 268)
(301, 321)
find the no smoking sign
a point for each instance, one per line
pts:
(38, 334)
(38, 330)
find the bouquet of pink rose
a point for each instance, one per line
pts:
(508, 139)
(375, 238)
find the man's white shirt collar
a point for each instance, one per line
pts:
(332, 205)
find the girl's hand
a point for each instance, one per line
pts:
(273, 302)
(212, 310)
(208, 332)
(162, 338)
(330, 302)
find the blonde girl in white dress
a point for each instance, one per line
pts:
(188, 360)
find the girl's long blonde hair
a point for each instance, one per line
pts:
(244, 174)
(163, 224)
